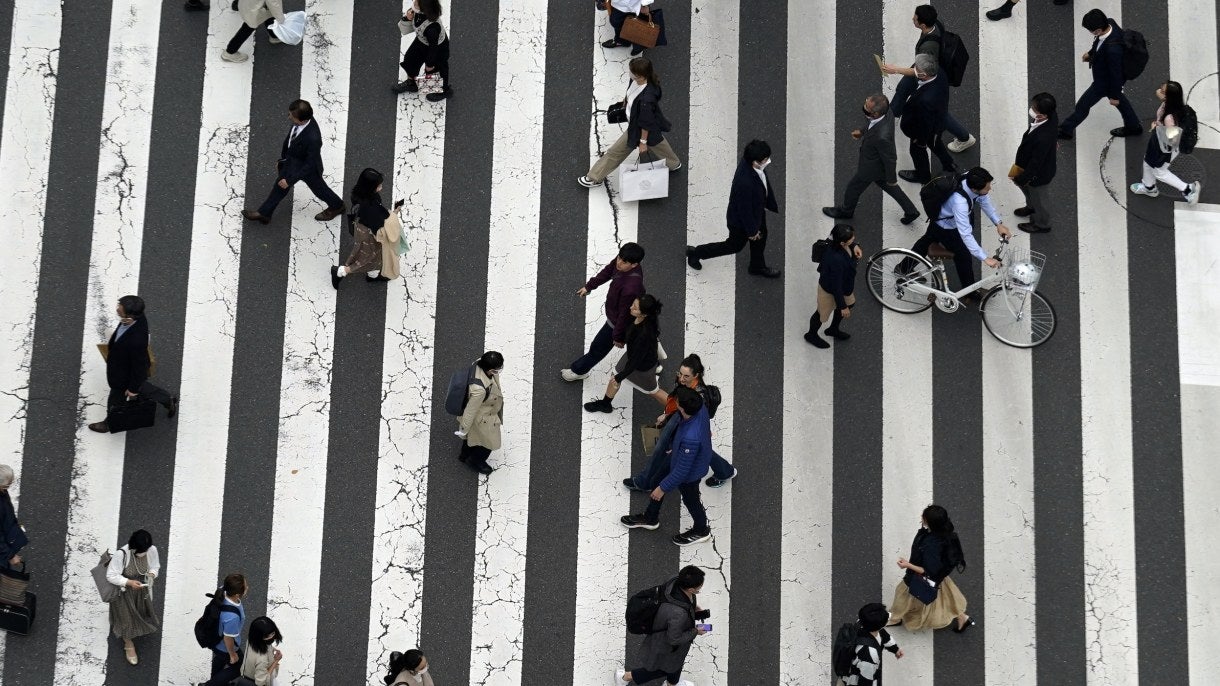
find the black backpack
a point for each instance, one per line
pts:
(953, 55)
(207, 627)
(820, 246)
(711, 397)
(843, 650)
(1135, 54)
(935, 193)
(642, 608)
(455, 397)
(1189, 121)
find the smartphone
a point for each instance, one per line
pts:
(707, 628)
(400, 203)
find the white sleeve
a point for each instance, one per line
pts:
(114, 573)
(154, 561)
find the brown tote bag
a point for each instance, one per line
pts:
(640, 31)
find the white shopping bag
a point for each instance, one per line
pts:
(292, 30)
(644, 181)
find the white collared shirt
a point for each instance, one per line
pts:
(874, 122)
(761, 175)
(295, 133)
(629, 6)
(1035, 124)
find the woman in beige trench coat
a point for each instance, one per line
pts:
(254, 13)
(479, 424)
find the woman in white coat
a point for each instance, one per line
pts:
(133, 569)
(254, 13)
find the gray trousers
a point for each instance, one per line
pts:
(1035, 199)
(618, 151)
(858, 184)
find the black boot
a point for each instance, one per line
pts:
(1002, 12)
(603, 405)
(815, 323)
(833, 329)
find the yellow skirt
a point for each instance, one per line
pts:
(915, 615)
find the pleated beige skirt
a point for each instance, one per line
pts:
(915, 615)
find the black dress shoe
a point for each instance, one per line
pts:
(1065, 135)
(816, 340)
(1029, 227)
(1124, 131)
(335, 279)
(908, 218)
(1002, 12)
(254, 216)
(959, 629)
(692, 260)
(406, 86)
(837, 212)
(765, 272)
(612, 43)
(100, 427)
(1023, 211)
(910, 175)
(484, 469)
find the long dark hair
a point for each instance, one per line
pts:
(695, 365)
(939, 525)
(257, 636)
(431, 9)
(650, 307)
(642, 66)
(365, 189)
(1175, 100)
(401, 661)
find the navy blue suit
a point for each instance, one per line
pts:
(1107, 67)
(923, 120)
(749, 201)
(301, 161)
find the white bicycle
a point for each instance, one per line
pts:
(1012, 308)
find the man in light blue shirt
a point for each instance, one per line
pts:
(954, 229)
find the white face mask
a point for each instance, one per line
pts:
(422, 672)
(763, 165)
(1033, 115)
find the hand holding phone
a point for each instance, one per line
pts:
(704, 628)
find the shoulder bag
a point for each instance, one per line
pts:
(108, 591)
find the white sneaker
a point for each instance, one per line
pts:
(1192, 192)
(959, 146)
(569, 375)
(587, 182)
(233, 56)
(273, 40)
(1140, 189)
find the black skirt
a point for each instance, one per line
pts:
(1154, 156)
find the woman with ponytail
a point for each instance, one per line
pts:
(409, 668)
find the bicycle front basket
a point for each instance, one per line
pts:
(1023, 270)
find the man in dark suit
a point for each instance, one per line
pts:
(1105, 60)
(924, 119)
(751, 196)
(1035, 164)
(127, 362)
(878, 158)
(300, 160)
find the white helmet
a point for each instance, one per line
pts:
(1024, 274)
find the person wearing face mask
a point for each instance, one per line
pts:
(646, 125)
(127, 362)
(1105, 59)
(479, 424)
(133, 568)
(878, 159)
(836, 286)
(408, 669)
(429, 50)
(924, 119)
(375, 231)
(261, 661)
(1173, 112)
(1034, 167)
(750, 198)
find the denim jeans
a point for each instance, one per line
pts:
(601, 346)
(657, 467)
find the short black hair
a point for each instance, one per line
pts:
(631, 252)
(977, 178)
(301, 109)
(1043, 103)
(690, 576)
(756, 151)
(689, 400)
(926, 14)
(133, 306)
(873, 616)
(235, 584)
(490, 360)
(842, 232)
(140, 541)
(1095, 19)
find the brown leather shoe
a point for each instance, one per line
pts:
(100, 427)
(254, 216)
(330, 213)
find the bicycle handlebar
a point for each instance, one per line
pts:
(999, 251)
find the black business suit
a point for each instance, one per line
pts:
(301, 161)
(1106, 66)
(127, 366)
(877, 164)
(1036, 158)
(749, 201)
(923, 121)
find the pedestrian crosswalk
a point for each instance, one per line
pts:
(312, 451)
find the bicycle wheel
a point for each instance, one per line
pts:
(892, 270)
(1022, 320)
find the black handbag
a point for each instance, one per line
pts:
(138, 413)
(921, 587)
(19, 618)
(617, 113)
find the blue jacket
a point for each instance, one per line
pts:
(749, 200)
(692, 450)
(1107, 63)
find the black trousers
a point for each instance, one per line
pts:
(643, 676)
(474, 455)
(923, 166)
(1093, 95)
(243, 34)
(222, 672)
(733, 245)
(413, 60)
(857, 184)
(147, 389)
(316, 184)
(952, 240)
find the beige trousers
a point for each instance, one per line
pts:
(618, 151)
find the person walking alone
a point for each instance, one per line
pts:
(254, 13)
(639, 363)
(836, 286)
(127, 363)
(1105, 60)
(429, 50)
(877, 163)
(927, 597)
(646, 125)
(626, 279)
(133, 568)
(12, 534)
(479, 425)
(750, 198)
(300, 160)
(674, 629)
(1173, 111)
(375, 234)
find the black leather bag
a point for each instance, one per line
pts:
(138, 413)
(19, 618)
(617, 113)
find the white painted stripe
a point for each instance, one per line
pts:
(805, 562)
(207, 354)
(25, 152)
(1197, 234)
(710, 305)
(1007, 534)
(309, 335)
(500, 543)
(906, 353)
(114, 264)
(606, 439)
(1105, 396)
(1192, 56)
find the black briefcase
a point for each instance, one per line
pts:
(132, 414)
(19, 618)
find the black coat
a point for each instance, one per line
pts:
(838, 274)
(12, 536)
(1107, 63)
(1036, 154)
(127, 361)
(646, 115)
(923, 116)
(304, 158)
(878, 156)
(749, 200)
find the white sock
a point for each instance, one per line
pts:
(374, 273)
(342, 272)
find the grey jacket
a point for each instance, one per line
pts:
(673, 632)
(878, 157)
